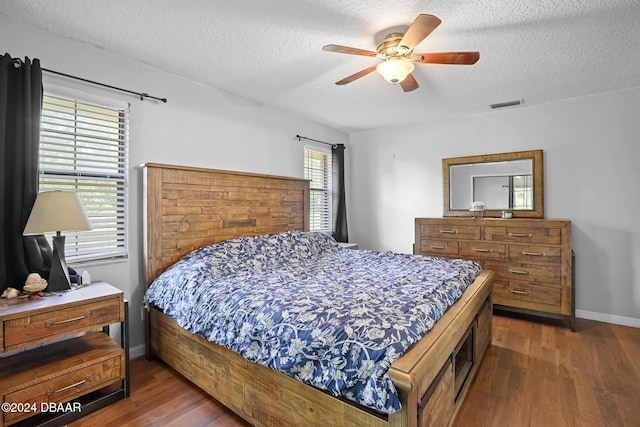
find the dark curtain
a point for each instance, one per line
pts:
(340, 232)
(20, 110)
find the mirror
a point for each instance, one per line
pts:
(504, 182)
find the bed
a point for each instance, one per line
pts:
(189, 209)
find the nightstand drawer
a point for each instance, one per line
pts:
(40, 327)
(65, 387)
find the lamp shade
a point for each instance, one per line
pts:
(55, 211)
(395, 70)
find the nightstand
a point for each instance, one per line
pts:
(60, 362)
(348, 245)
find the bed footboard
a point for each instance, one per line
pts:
(262, 396)
(438, 370)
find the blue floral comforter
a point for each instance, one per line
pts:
(297, 302)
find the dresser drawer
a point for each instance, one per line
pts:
(539, 235)
(40, 327)
(484, 250)
(439, 247)
(537, 274)
(525, 295)
(65, 387)
(533, 253)
(445, 230)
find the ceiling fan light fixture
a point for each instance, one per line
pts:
(395, 70)
(398, 57)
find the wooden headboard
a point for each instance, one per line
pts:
(186, 208)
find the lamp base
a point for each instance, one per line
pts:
(59, 274)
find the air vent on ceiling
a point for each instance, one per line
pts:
(507, 103)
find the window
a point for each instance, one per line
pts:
(522, 191)
(317, 168)
(83, 148)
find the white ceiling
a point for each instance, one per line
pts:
(271, 50)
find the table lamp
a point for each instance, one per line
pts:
(57, 211)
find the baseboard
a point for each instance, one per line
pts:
(608, 318)
(137, 351)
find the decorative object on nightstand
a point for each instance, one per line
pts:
(10, 293)
(57, 211)
(34, 285)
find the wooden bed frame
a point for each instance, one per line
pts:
(187, 208)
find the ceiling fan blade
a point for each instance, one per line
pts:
(356, 76)
(455, 58)
(422, 26)
(350, 50)
(409, 83)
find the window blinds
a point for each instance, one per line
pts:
(83, 148)
(317, 168)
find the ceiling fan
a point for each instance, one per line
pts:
(396, 52)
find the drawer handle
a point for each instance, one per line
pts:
(79, 383)
(62, 322)
(438, 247)
(517, 292)
(534, 253)
(520, 272)
(482, 250)
(449, 231)
(519, 234)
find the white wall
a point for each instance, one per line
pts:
(198, 126)
(592, 173)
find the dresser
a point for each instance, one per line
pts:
(532, 259)
(57, 360)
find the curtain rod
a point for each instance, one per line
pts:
(315, 140)
(141, 95)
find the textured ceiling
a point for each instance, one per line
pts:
(271, 51)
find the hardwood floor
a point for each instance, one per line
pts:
(535, 374)
(542, 375)
(162, 397)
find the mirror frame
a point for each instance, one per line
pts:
(538, 183)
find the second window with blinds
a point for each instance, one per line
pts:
(318, 170)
